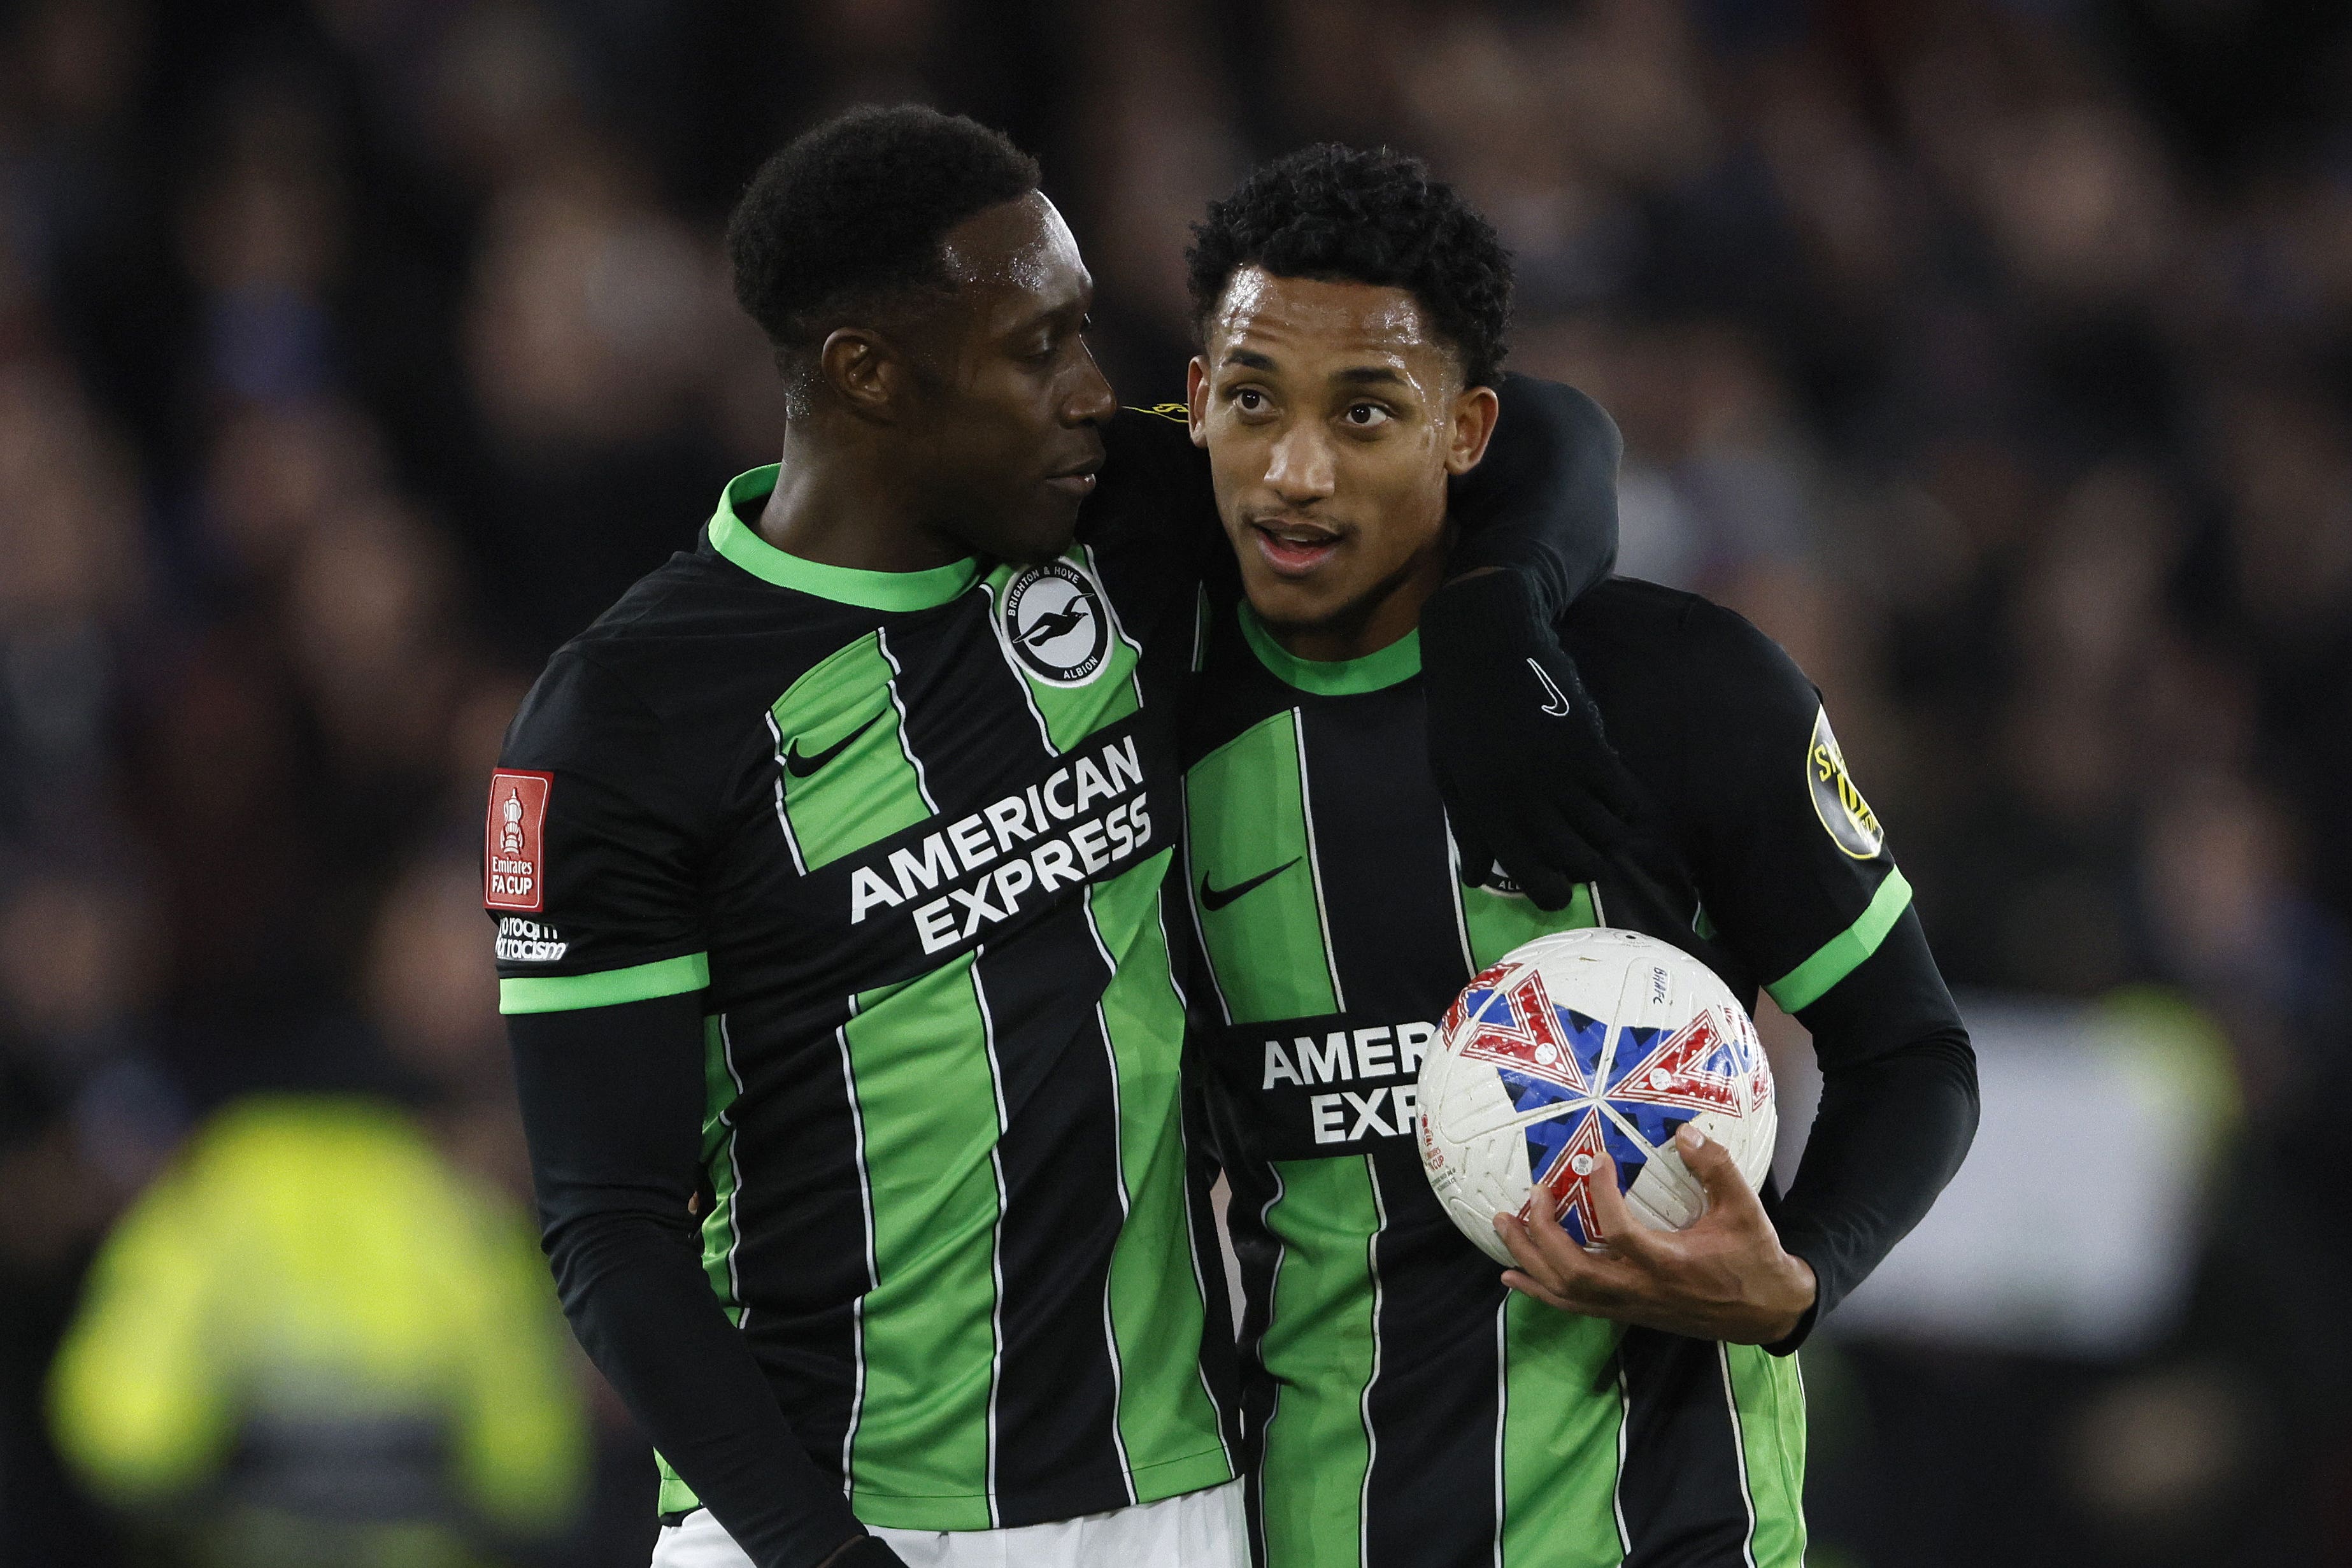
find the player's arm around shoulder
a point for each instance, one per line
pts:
(1533, 793)
(1542, 501)
(1155, 484)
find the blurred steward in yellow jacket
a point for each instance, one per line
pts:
(312, 1342)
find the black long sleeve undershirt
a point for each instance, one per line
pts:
(612, 1104)
(1898, 1110)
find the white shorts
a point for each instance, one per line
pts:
(1197, 1530)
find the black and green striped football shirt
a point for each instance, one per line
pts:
(907, 833)
(1406, 1410)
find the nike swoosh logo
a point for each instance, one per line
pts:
(800, 763)
(1218, 898)
(1557, 706)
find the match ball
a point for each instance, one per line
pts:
(1581, 1042)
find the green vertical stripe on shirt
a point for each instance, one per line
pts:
(1562, 1422)
(1319, 1349)
(1497, 922)
(1772, 1399)
(871, 788)
(928, 1093)
(1165, 1419)
(718, 1089)
(1247, 809)
(718, 1233)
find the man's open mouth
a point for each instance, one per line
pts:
(1293, 548)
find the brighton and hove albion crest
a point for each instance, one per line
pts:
(1836, 802)
(1054, 619)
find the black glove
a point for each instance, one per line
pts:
(1533, 793)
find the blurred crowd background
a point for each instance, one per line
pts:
(1993, 356)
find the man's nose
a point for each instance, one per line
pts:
(1301, 469)
(1091, 402)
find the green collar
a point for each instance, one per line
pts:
(740, 543)
(1383, 667)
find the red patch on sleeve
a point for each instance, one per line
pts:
(514, 842)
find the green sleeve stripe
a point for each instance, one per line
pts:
(563, 993)
(1842, 953)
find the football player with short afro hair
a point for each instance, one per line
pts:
(848, 222)
(1335, 212)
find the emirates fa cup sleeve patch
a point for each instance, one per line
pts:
(514, 842)
(1850, 822)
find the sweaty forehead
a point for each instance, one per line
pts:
(1303, 319)
(1018, 247)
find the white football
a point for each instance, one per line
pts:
(1580, 1042)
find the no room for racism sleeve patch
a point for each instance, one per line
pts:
(514, 842)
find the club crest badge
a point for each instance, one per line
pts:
(1054, 619)
(1847, 816)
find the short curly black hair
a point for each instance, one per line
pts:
(1343, 214)
(852, 213)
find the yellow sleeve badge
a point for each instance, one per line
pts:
(1836, 801)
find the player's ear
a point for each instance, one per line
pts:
(1196, 399)
(1475, 413)
(864, 370)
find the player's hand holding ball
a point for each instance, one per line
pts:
(1724, 1278)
